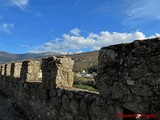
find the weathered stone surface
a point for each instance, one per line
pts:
(141, 50)
(33, 69)
(118, 91)
(153, 63)
(108, 56)
(142, 90)
(2, 69)
(150, 79)
(136, 107)
(130, 82)
(83, 109)
(136, 70)
(16, 70)
(74, 106)
(30, 70)
(7, 69)
(98, 113)
(57, 72)
(114, 110)
(65, 103)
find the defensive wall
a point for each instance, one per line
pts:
(52, 97)
(128, 80)
(129, 74)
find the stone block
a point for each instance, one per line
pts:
(16, 70)
(57, 72)
(30, 70)
(7, 69)
(2, 69)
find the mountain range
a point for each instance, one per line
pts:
(83, 61)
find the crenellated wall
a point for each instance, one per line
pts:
(128, 80)
(52, 97)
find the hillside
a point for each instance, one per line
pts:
(7, 57)
(83, 61)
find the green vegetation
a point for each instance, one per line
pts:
(86, 87)
(81, 78)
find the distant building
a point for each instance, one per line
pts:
(40, 74)
(84, 75)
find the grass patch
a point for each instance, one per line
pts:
(86, 87)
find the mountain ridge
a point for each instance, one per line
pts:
(83, 61)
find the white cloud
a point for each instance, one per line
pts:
(144, 9)
(76, 43)
(75, 31)
(5, 27)
(156, 35)
(20, 3)
(141, 14)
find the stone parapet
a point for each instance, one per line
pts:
(128, 80)
(53, 98)
(57, 72)
(130, 75)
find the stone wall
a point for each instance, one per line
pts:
(128, 80)
(53, 98)
(129, 74)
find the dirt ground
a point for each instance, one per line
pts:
(7, 112)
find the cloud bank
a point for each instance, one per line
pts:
(74, 42)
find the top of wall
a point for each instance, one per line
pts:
(129, 46)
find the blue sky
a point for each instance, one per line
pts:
(75, 25)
